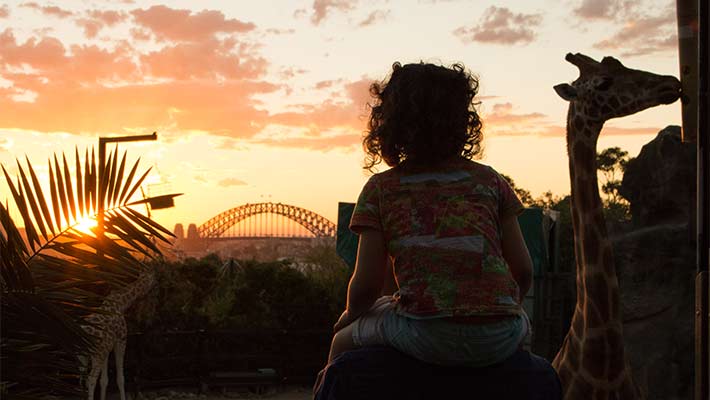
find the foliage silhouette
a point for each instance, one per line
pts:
(57, 273)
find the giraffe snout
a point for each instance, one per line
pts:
(670, 91)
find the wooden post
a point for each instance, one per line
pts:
(702, 350)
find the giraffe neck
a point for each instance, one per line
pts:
(123, 299)
(597, 285)
(593, 350)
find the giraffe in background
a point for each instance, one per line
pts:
(109, 327)
(591, 362)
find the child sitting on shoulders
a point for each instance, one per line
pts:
(447, 223)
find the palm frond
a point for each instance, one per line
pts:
(50, 282)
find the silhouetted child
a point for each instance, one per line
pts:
(449, 225)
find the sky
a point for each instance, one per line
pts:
(267, 101)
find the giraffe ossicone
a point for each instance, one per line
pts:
(591, 363)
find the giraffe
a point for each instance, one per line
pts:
(109, 327)
(591, 363)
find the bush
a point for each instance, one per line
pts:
(197, 294)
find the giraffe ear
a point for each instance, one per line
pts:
(566, 91)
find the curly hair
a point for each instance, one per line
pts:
(423, 114)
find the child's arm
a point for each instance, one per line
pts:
(368, 278)
(516, 254)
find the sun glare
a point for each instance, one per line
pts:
(85, 224)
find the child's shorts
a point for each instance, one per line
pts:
(439, 341)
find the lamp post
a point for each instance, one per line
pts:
(102, 168)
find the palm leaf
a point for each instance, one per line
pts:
(40, 198)
(63, 199)
(119, 178)
(18, 196)
(49, 287)
(80, 199)
(32, 203)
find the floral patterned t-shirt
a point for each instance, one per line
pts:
(443, 232)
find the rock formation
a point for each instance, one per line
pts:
(656, 266)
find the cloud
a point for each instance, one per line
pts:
(331, 113)
(636, 29)
(5, 144)
(643, 35)
(276, 31)
(209, 82)
(4, 11)
(291, 72)
(229, 144)
(605, 9)
(499, 25)
(48, 10)
(231, 182)
(140, 34)
(108, 17)
(502, 113)
(503, 121)
(375, 17)
(321, 8)
(210, 58)
(316, 143)
(326, 84)
(89, 89)
(182, 25)
(98, 19)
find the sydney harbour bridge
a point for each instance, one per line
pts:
(248, 229)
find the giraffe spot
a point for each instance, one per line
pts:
(606, 110)
(615, 306)
(566, 377)
(624, 99)
(583, 157)
(616, 354)
(608, 260)
(598, 294)
(590, 245)
(579, 388)
(594, 357)
(578, 326)
(578, 123)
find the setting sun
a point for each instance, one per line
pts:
(85, 224)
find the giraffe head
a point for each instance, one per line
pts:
(608, 89)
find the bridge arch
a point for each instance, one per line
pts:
(314, 223)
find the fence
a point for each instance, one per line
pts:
(204, 359)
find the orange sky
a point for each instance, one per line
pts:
(266, 101)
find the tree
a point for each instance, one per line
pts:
(523, 194)
(612, 162)
(53, 278)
